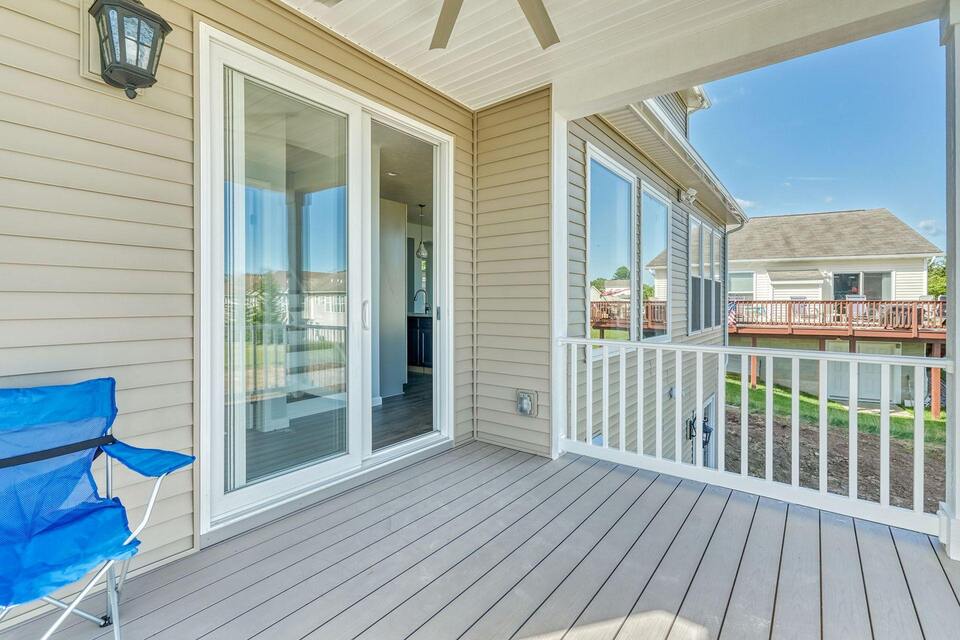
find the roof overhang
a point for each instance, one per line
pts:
(650, 129)
(696, 98)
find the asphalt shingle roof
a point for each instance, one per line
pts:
(863, 232)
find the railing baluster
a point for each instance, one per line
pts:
(768, 425)
(885, 434)
(573, 391)
(622, 436)
(640, 388)
(721, 410)
(605, 415)
(795, 422)
(588, 409)
(678, 408)
(658, 436)
(852, 441)
(744, 413)
(919, 396)
(822, 401)
(700, 418)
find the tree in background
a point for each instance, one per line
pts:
(622, 273)
(937, 277)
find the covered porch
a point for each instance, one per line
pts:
(487, 542)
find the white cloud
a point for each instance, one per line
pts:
(931, 228)
(812, 178)
(746, 204)
(828, 199)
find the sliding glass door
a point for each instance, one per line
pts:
(305, 222)
(289, 257)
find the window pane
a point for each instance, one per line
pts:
(876, 286)
(695, 261)
(654, 236)
(845, 284)
(740, 282)
(608, 271)
(285, 268)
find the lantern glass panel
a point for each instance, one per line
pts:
(115, 31)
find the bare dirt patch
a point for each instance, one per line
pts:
(868, 460)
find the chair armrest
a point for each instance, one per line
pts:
(147, 462)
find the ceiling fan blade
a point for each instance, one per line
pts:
(540, 22)
(445, 22)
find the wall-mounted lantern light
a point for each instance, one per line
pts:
(131, 37)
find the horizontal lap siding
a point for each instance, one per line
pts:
(97, 221)
(513, 270)
(596, 131)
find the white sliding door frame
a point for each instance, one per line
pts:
(217, 508)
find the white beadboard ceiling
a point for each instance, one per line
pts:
(493, 54)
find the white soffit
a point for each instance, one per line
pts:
(493, 54)
(650, 130)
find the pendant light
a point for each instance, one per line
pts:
(422, 252)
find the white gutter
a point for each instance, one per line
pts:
(690, 155)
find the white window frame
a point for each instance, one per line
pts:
(753, 283)
(596, 154)
(717, 232)
(651, 190)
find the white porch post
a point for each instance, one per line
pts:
(949, 512)
(558, 282)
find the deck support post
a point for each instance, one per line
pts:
(949, 511)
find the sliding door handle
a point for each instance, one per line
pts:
(365, 314)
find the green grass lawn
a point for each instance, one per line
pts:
(610, 334)
(901, 427)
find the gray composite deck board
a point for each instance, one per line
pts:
(845, 612)
(892, 611)
(705, 603)
(750, 609)
(940, 615)
(484, 542)
(797, 609)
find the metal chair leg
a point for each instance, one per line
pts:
(73, 605)
(113, 601)
(4, 611)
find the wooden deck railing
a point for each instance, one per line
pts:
(888, 318)
(615, 314)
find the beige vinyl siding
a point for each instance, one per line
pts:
(676, 109)
(513, 270)
(594, 130)
(97, 220)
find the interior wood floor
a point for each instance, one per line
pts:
(314, 437)
(483, 542)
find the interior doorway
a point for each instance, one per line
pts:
(403, 191)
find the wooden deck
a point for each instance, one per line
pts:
(486, 543)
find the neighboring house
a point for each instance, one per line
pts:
(829, 256)
(271, 179)
(780, 266)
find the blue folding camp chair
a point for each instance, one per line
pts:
(55, 527)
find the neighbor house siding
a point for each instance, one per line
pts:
(513, 270)
(909, 276)
(97, 220)
(597, 132)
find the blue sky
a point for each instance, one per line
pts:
(855, 127)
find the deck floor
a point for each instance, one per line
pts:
(485, 543)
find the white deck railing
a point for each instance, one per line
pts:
(645, 404)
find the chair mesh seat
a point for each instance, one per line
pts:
(54, 525)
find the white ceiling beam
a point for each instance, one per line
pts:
(782, 31)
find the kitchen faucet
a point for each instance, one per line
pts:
(426, 307)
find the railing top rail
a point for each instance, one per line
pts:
(835, 356)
